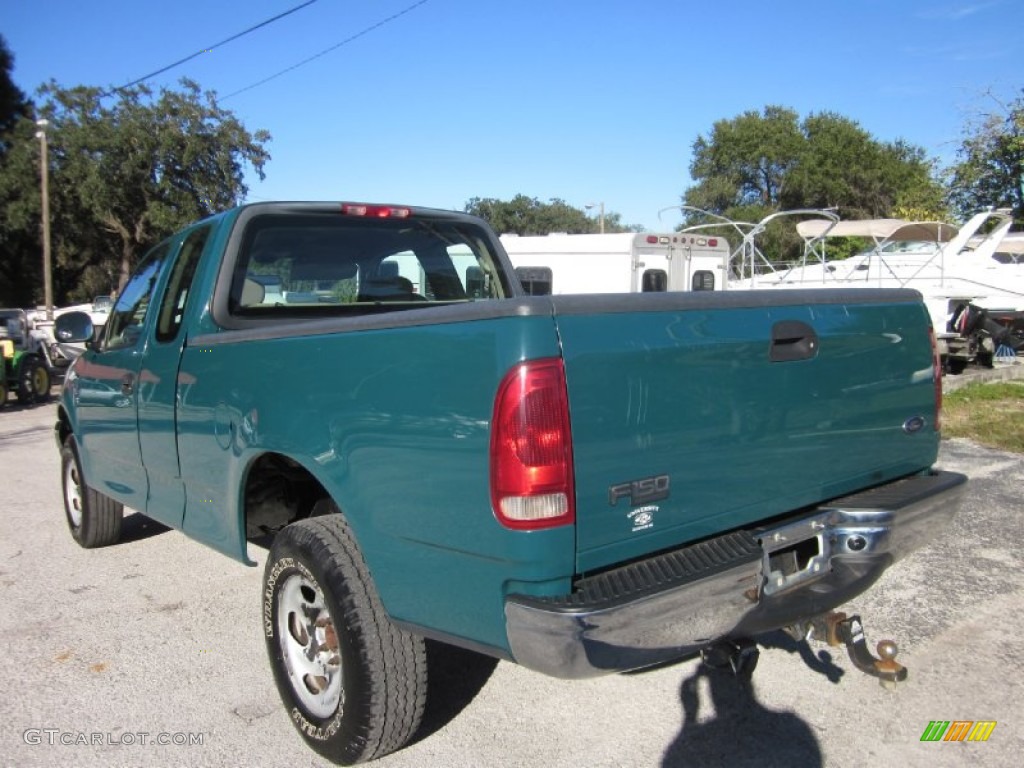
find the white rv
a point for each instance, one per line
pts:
(620, 262)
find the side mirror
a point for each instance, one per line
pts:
(73, 327)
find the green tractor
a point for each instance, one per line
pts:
(24, 367)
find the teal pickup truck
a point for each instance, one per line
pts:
(578, 484)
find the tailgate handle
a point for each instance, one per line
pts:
(792, 340)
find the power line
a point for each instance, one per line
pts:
(346, 41)
(213, 47)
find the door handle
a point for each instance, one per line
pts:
(793, 340)
(127, 384)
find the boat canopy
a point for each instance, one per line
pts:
(879, 230)
(1012, 243)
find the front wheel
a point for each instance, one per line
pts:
(353, 683)
(94, 519)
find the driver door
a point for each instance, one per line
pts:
(106, 389)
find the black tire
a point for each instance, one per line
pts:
(956, 366)
(3, 384)
(353, 683)
(94, 519)
(33, 380)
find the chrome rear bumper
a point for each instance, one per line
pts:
(733, 586)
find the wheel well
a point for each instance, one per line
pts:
(63, 426)
(278, 491)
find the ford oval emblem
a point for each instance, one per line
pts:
(913, 424)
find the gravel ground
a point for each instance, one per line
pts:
(158, 638)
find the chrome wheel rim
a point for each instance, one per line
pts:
(309, 646)
(73, 494)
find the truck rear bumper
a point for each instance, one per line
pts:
(735, 585)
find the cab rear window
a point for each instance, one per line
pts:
(312, 264)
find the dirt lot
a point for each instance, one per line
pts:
(105, 653)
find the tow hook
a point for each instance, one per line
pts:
(836, 628)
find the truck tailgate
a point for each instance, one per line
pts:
(693, 414)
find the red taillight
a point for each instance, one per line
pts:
(652, 239)
(531, 448)
(375, 211)
(713, 242)
(937, 377)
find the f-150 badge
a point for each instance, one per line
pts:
(641, 491)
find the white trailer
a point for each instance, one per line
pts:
(620, 262)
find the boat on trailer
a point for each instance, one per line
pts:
(972, 283)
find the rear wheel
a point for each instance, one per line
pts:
(94, 519)
(33, 380)
(353, 683)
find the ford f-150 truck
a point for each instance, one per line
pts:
(578, 484)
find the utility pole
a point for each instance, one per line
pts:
(44, 172)
(588, 206)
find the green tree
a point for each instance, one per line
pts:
(760, 163)
(841, 166)
(13, 103)
(742, 169)
(19, 218)
(524, 215)
(21, 263)
(990, 171)
(126, 169)
(745, 160)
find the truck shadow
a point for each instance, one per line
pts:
(456, 677)
(739, 731)
(138, 527)
(820, 662)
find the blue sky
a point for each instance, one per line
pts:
(589, 102)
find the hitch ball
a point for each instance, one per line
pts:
(887, 650)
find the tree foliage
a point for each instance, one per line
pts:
(745, 160)
(990, 171)
(524, 215)
(13, 103)
(125, 170)
(762, 162)
(19, 229)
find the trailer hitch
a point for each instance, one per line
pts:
(740, 656)
(836, 628)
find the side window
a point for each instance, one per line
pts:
(458, 273)
(476, 283)
(172, 309)
(654, 281)
(703, 280)
(536, 281)
(124, 326)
